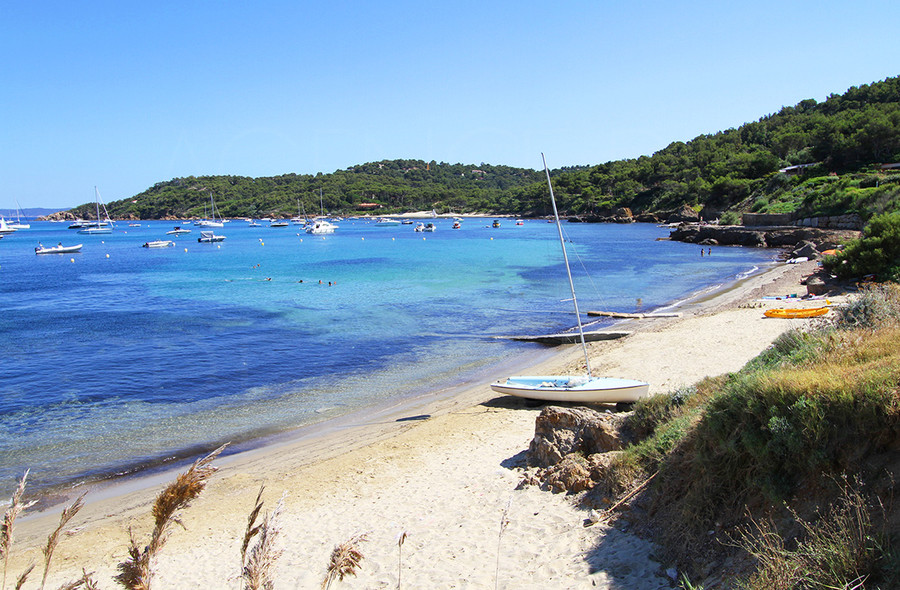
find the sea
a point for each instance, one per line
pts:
(120, 359)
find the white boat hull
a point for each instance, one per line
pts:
(208, 236)
(321, 228)
(574, 389)
(58, 249)
(159, 244)
(95, 230)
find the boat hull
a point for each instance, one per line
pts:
(798, 312)
(574, 389)
(58, 250)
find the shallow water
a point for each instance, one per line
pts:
(120, 357)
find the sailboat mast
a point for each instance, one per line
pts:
(97, 204)
(562, 242)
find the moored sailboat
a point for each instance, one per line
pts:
(101, 226)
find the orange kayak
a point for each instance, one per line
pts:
(796, 312)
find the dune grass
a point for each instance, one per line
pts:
(136, 571)
(816, 406)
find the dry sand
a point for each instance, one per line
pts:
(444, 474)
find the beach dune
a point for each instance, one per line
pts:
(444, 474)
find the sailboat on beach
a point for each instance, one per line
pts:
(582, 388)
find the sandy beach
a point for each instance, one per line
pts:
(444, 473)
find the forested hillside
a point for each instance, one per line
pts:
(842, 144)
(846, 137)
(395, 186)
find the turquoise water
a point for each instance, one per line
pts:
(120, 357)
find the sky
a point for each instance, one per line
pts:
(122, 95)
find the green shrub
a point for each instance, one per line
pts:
(730, 218)
(876, 253)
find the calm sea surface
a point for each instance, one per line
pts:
(121, 357)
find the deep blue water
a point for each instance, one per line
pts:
(120, 356)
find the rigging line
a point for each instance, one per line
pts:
(584, 268)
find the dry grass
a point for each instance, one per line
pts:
(345, 560)
(400, 540)
(257, 566)
(135, 573)
(16, 506)
(67, 514)
(841, 549)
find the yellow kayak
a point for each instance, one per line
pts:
(796, 312)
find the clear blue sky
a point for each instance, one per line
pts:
(122, 95)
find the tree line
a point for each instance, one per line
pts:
(842, 143)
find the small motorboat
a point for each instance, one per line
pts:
(208, 236)
(795, 312)
(496, 223)
(320, 227)
(457, 225)
(158, 244)
(58, 249)
(279, 223)
(420, 227)
(429, 227)
(177, 231)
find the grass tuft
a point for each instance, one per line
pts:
(135, 572)
(345, 560)
(841, 549)
(258, 566)
(67, 514)
(16, 506)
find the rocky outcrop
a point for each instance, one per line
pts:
(806, 249)
(761, 237)
(816, 286)
(573, 448)
(728, 235)
(559, 432)
(620, 215)
(58, 216)
(684, 215)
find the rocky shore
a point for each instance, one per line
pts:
(762, 236)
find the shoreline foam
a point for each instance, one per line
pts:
(440, 470)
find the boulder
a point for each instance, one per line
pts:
(815, 286)
(685, 214)
(562, 431)
(807, 249)
(570, 475)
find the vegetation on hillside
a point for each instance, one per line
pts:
(876, 253)
(393, 186)
(791, 460)
(842, 143)
(738, 169)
